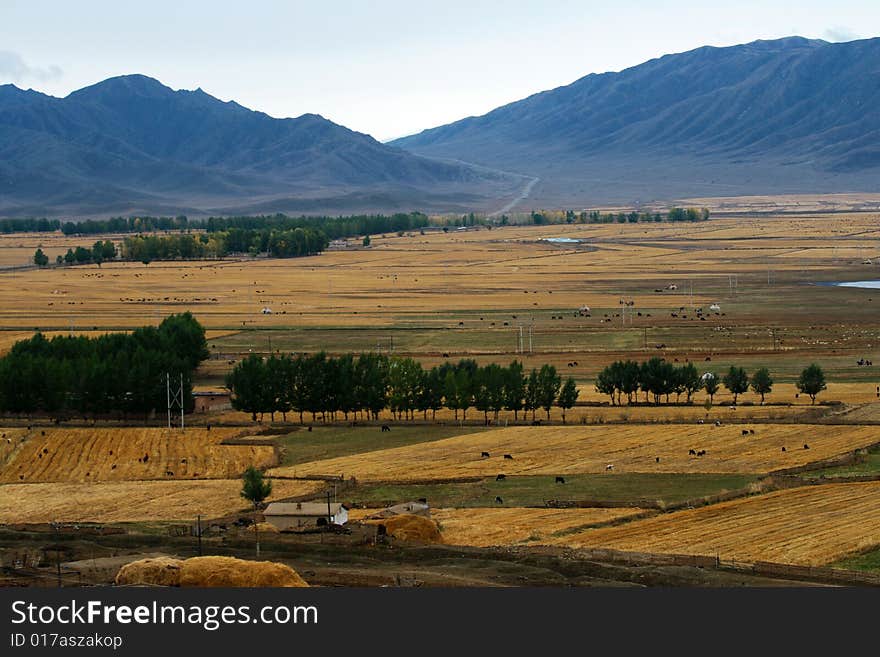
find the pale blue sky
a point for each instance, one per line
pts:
(386, 67)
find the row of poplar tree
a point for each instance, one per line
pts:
(364, 385)
(113, 374)
(660, 379)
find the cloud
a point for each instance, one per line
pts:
(840, 33)
(13, 68)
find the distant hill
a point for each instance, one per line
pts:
(784, 116)
(131, 144)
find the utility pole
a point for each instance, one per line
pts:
(530, 338)
(329, 514)
(174, 397)
(199, 532)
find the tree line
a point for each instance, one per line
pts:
(113, 374)
(659, 379)
(362, 386)
(632, 217)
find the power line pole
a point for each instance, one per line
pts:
(175, 398)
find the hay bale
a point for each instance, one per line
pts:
(406, 527)
(264, 527)
(158, 571)
(232, 572)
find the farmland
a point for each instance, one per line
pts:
(495, 296)
(117, 454)
(578, 450)
(128, 501)
(813, 525)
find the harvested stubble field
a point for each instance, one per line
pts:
(131, 501)
(588, 449)
(508, 526)
(813, 525)
(117, 454)
(432, 279)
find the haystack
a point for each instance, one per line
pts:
(229, 571)
(158, 571)
(408, 527)
(264, 527)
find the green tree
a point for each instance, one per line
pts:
(567, 396)
(606, 383)
(549, 383)
(514, 389)
(689, 379)
(711, 384)
(736, 381)
(255, 489)
(811, 381)
(40, 258)
(247, 382)
(762, 383)
(366, 241)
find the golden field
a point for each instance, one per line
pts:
(589, 449)
(131, 501)
(117, 454)
(508, 526)
(420, 278)
(812, 526)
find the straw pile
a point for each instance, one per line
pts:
(406, 527)
(264, 527)
(208, 572)
(158, 571)
(228, 571)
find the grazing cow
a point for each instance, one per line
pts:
(692, 452)
(385, 427)
(656, 459)
(717, 423)
(608, 467)
(701, 421)
(310, 427)
(484, 455)
(146, 457)
(508, 456)
(702, 452)
(751, 431)
(745, 432)
(208, 427)
(783, 448)
(806, 446)
(536, 423)
(501, 477)
(445, 355)
(560, 480)
(183, 461)
(169, 473)
(498, 500)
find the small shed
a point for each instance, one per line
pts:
(290, 516)
(205, 401)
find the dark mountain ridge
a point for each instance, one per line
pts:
(132, 143)
(788, 115)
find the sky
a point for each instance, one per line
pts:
(384, 67)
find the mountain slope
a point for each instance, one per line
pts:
(131, 143)
(788, 115)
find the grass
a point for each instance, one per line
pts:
(536, 490)
(870, 465)
(867, 562)
(304, 446)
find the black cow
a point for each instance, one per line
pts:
(783, 449)
(508, 456)
(692, 452)
(806, 446)
(385, 427)
(501, 477)
(745, 432)
(560, 480)
(498, 500)
(484, 455)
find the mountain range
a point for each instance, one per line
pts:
(130, 144)
(784, 116)
(770, 117)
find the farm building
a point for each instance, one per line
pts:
(209, 400)
(304, 515)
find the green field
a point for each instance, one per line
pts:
(629, 488)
